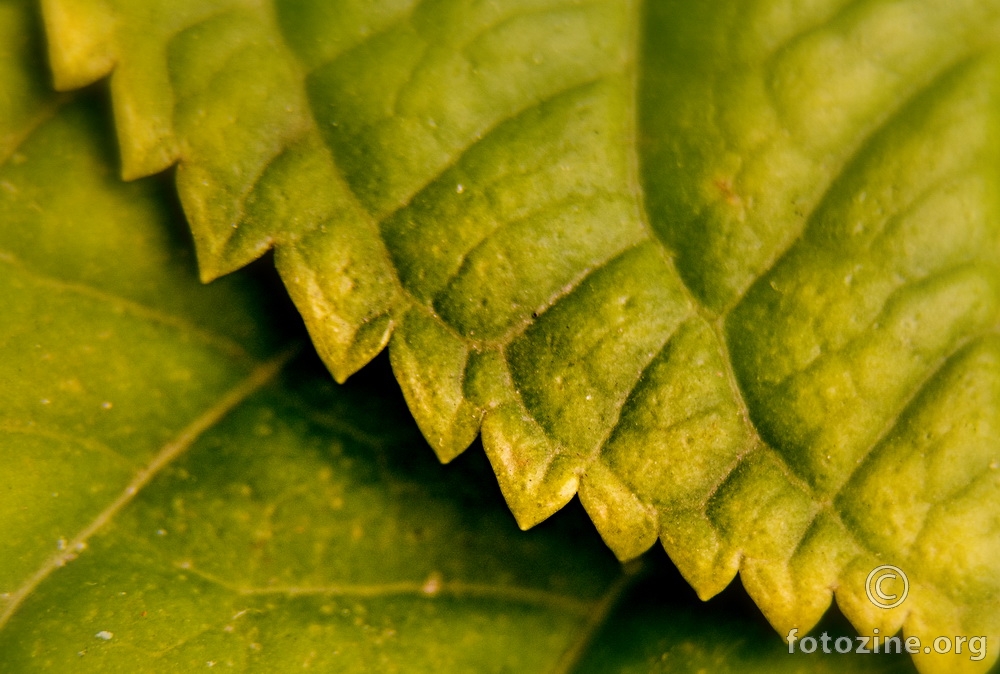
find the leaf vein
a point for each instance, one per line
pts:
(404, 588)
(122, 304)
(258, 378)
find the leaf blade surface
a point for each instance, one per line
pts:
(703, 180)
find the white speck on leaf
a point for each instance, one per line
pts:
(432, 585)
(104, 634)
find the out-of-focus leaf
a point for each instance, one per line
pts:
(662, 627)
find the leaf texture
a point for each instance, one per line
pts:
(179, 496)
(726, 271)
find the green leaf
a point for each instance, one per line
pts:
(725, 270)
(178, 497)
(175, 497)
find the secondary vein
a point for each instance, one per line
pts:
(221, 342)
(257, 378)
(433, 586)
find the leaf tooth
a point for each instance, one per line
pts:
(430, 363)
(536, 478)
(83, 53)
(627, 525)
